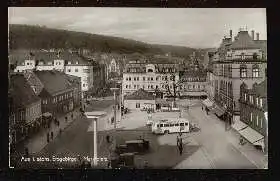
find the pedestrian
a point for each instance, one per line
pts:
(58, 123)
(65, 118)
(52, 135)
(181, 148)
(202, 108)
(72, 116)
(177, 140)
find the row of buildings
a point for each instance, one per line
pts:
(164, 77)
(236, 76)
(94, 71)
(35, 94)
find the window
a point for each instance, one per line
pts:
(150, 70)
(243, 71)
(177, 124)
(86, 70)
(242, 56)
(76, 70)
(156, 86)
(84, 85)
(251, 99)
(137, 78)
(166, 125)
(186, 124)
(129, 78)
(151, 86)
(171, 125)
(126, 78)
(134, 78)
(134, 86)
(158, 125)
(143, 86)
(69, 70)
(245, 97)
(152, 78)
(161, 125)
(181, 124)
(137, 105)
(257, 120)
(251, 116)
(27, 63)
(148, 78)
(257, 101)
(256, 71)
(143, 78)
(148, 86)
(261, 103)
(126, 86)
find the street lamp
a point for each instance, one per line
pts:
(115, 111)
(94, 115)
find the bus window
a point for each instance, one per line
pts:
(177, 124)
(186, 124)
(171, 125)
(181, 124)
(166, 125)
(158, 125)
(161, 125)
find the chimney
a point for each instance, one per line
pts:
(258, 36)
(253, 34)
(230, 34)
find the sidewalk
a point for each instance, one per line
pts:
(248, 150)
(39, 141)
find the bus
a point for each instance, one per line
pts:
(171, 125)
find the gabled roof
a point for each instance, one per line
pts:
(244, 41)
(53, 81)
(140, 94)
(21, 92)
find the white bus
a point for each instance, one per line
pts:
(171, 125)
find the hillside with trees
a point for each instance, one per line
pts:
(39, 37)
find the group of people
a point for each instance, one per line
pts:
(180, 143)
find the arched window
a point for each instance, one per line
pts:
(256, 70)
(242, 56)
(243, 71)
(255, 56)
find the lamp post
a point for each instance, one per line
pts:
(94, 116)
(115, 111)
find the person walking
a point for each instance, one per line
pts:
(178, 141)
(72, 116)
(108, 139)
(202, 108)
(66, 119)
(181, 147)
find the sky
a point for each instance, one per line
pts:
(197, 28)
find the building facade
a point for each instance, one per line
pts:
(140, 99)
(239, 60)
(253, 106)
(57, 94)
(69, 62)
(24, 108)
(149, 76)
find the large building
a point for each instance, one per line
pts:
(152, 76)
(24, 108)
(236, 61)
(253, 106)
(193, 82)
(69, 62)
(57, 94)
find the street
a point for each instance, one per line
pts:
(211, 147)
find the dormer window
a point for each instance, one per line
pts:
(242, 56)
(150, 70)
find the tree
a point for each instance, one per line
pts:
(174, 93)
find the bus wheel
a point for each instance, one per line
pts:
(166, 132)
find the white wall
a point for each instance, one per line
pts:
(131, 104)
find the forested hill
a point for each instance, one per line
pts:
(34, 37)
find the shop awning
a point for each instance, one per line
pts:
(251, 135)
(218, 111)
(260, 142)
(208, 103)
(239, 125)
